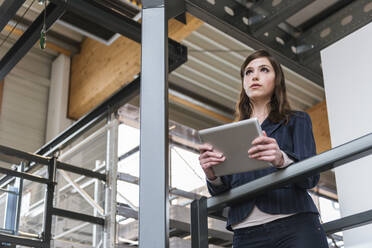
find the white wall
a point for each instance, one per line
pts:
(347, 69)
(25, 101)
(57, 120)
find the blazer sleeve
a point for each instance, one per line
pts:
(218, 189)
(303, 147)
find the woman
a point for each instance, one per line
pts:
(285, 217)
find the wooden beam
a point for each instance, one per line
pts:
(99, 70)
(325, 193)
(319, 117)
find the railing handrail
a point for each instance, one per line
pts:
(21, 155)
(15, 156)
(333, 158)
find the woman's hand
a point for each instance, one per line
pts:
(209, 158)
(266, 149)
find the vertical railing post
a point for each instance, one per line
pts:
(13, 203)
(199, 223)
(48, 213)
(19, 184)
(96, 236)
(154, 180)
(109, 235)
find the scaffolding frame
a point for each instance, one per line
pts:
(11, 155)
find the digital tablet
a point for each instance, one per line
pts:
(234, 140)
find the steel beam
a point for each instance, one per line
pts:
(48, 208)
(77, 180)
(215, 14)
(348, 222)
(129, 153)
(199, 223)
(81, 171)
(30, 37)
(276, 14)
(179, 222)
(175, 8)
(126, 211)
(12, 173)
(154, 216)
(15, 156)
(128, 178)
(8, 10)
(106, 17)
(123, 25)
(337, 27)
(78, 216)
(6, 238)
(333, 158)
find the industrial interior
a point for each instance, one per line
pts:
(70, 107)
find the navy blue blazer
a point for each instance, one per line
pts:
(294, 138)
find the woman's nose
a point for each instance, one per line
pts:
(255, 77)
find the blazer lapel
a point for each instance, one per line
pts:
(270, 127)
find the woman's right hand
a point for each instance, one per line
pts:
(209, 158)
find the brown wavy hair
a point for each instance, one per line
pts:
(279, 105)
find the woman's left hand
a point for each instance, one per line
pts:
(266, 149)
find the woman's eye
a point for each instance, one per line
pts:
(264, 69)
(247, 72)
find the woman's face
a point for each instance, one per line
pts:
(259, 80)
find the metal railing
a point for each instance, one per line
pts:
(14, 156)
(338, 156)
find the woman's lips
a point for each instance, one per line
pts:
(255, 86)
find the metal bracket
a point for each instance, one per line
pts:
(302, 48)
(255, 19)
(176, 8)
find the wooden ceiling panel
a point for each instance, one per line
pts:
(99, 70)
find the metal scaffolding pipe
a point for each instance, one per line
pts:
(83, 193)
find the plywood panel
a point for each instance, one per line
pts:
(319, 117)
(99, 70)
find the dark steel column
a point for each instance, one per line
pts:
(48, 213)
(199, 223)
